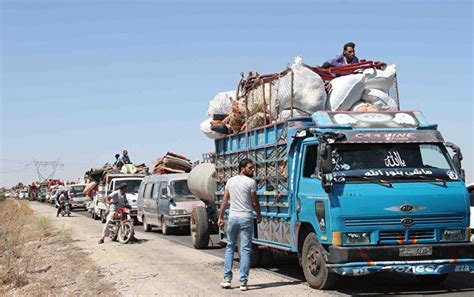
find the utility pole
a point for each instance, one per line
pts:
(42, 166)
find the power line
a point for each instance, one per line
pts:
(42, 166)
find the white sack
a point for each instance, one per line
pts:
(206, 129)
(221, 103)
(309, 93)
(381, 100)
(286, 114)
(381, 79)
(346, 90)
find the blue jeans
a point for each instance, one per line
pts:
(244, 227)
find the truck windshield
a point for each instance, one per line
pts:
(132, 185)
(391, 161)
(180, 190)
(77, 190)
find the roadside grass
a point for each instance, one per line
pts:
(44, 225)
(16, 234)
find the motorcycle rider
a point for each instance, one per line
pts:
(61, 202)
(116, 200)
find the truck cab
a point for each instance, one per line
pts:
(356, 193)
(108, 185)
(133, 184)
(77, 198)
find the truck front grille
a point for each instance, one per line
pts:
(396, 221)
(406, 236)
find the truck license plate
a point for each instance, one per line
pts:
(416, 251)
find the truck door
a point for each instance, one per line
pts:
(312, 201)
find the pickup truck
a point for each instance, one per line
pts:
(109, 184)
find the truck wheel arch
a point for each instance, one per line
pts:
(303, 231)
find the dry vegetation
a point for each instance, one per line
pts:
(38, 260)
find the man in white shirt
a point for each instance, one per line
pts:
(116, 200)
(241, 190)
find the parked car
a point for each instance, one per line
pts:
(470, 189)
(165, 201)
(77, 199)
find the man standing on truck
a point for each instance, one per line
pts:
(241, 190)
(116, 200)
(347, 57)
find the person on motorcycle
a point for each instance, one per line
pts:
(116, 200)
(61, 202)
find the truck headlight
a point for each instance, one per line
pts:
(177, 212)
(358, 238)
(452, 235)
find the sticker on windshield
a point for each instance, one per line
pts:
(396, 172)
(394, 159)
(452, 175)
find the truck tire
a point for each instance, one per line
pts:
(314, 267)
(103, 219)
(146, 226)
(265, 258)
(199, 228)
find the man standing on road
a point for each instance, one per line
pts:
(241, 190)
(116, 200)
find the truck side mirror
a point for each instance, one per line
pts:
(457, 158)
(325, 161)
(325, 165)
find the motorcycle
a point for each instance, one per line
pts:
(121, 227)
(65, 209)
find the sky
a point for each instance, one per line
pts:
(83, 80)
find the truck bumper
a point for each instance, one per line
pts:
(444, 258)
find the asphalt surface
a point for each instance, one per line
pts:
(460, 284)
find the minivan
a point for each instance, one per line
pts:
(165, 201)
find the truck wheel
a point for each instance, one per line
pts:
(102, 217)
(314, 267)
(146, 226)
(164, 229)
(431, 279)
(199, 228)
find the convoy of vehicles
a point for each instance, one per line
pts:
(165, 201)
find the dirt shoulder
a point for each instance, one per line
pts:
(40, 259)
(156, 266)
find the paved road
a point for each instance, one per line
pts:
(461, 284)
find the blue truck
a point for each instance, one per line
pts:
(354, 193)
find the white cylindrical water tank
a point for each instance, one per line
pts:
(202, 182)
